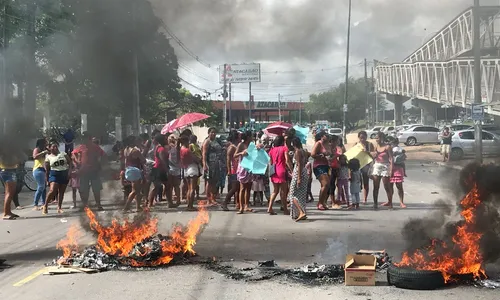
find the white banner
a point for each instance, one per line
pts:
(240, 73)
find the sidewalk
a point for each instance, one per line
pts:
(459, 165)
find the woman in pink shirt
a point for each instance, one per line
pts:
(280, 159)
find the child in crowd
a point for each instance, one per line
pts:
(356, 181)
(398, 169)
(126, 186)
(74, 181)
(258, 190)
(343, 181)
(196, 150)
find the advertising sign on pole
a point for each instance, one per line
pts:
(477, 112)
(239, 73)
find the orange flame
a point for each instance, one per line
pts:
(119, 239)
(463, 256)
(70, 243)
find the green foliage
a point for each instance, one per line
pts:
(329, 105)
(84, 54)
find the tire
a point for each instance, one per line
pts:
(412, 279)
(411, 141)
(456, 154)
(29, 181)
(373, 136)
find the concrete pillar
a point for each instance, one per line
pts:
(398, 112)
(428, 111)
(118, 129)
(398, 102)
(84, 124)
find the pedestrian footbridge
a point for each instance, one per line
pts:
(441, 71)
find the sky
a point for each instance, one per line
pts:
(300, 44)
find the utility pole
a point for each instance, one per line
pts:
(279, 107)
(374, 91)
(224, 97)
(230, 108)
(367, 92)
(376, 96)
(300, 111)
(478, 136)
(250, 100)
(136, 108)
(3, 95)
(346, 74)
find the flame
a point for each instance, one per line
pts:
(70, 243)
(461, 257)
(119, 239)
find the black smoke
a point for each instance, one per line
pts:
(442, 223)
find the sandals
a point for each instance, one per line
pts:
(303, 218)
(272, 213)
(9, 217)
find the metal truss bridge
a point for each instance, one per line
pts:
(442, 69)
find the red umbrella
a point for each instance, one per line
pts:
(277, 128)
(168, 127)
(188, 119)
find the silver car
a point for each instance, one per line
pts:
(419, 135)
(463, 144)
(373, 132)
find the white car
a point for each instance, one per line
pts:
(373, 132)
(389, 130)
(419, 135)
(463, 144)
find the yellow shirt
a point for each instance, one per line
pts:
(39, 162)
(195, 149)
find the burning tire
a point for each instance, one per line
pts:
(409, 278)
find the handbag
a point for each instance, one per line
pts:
(271, 168)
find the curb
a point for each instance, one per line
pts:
(443, 164)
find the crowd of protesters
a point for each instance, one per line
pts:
(157, 167)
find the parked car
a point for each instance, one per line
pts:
(389, 130)
(335, 131)
(492, 128)
(463, 144)
(458, 127)
(419, 135)
(373, 132)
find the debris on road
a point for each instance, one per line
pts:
(383, 258)
(488, 283)
(58, 270)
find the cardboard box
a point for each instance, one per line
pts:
(360, 270)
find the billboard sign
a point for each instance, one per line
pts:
(240, 73)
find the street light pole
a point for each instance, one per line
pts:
(344, 119)
(477, 81)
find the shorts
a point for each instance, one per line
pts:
(445, 149)
(8, 175)
(59, 177)
(320, 171)
(191, 171)
(158, 176)
(133, 174)
(90, 179)
(381, 170)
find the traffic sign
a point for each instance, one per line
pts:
(345, 108)
(477, 112)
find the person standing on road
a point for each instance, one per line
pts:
(279, 158)
(57, 166)
(365, 171)
(336, 151)
(159, 173)
(321, 167)
(232, 167)
(212, 152)
(134, 163)
(356, 182)
(382, 169)
(189, 163)
(39, 173)
(298, 186)
(8, 176)
(446, 146)
(90, 159)
(245, 178)
(399, 168)
(174, 179)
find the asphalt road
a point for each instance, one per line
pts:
(29, 242)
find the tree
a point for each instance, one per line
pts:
(329, 105)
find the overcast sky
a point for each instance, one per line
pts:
(301, 44)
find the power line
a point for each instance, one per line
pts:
(183, 46)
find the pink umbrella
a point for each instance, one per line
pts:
(277, 128)
(188, 119)
(169, 127)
